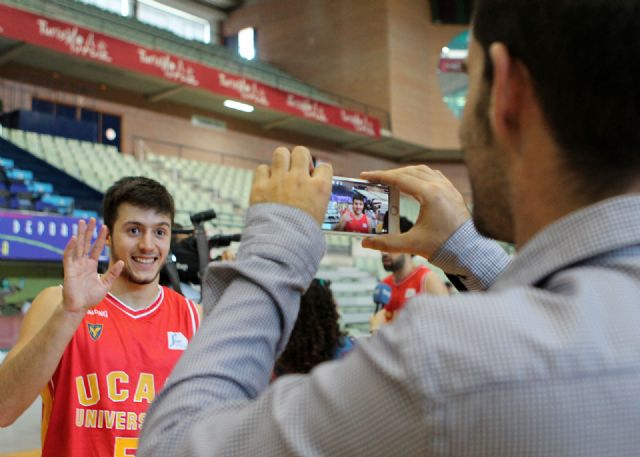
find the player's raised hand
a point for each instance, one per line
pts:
(83, 287)
(442, 210)
(292, 180)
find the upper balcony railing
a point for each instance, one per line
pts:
(213, 55)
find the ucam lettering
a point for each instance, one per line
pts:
(88, 388)
(172, 68)
(83, 45)
(309, 108)
(361, 123)
(248, 90)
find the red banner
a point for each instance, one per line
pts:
(71, 39)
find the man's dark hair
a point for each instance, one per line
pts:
(138, 191)
(582, 57)
(357, 197)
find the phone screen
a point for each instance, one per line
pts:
(357, 207)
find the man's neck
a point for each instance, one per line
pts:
(137, 296)
(404, 273)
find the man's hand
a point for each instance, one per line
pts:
(377, 320)
(83, 287)
(442, 210)
(288, 181)
(228, 255)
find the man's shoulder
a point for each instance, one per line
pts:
(469, 341)
(179, 301)
(422, 270)
(173, 296)
(49, 297)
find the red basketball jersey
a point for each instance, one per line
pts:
(115, 364)
(400, 293)
(360, 225)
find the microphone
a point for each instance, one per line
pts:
(381, 295)
(203, 216)
(220, 241)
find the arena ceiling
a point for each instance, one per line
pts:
(157, 89)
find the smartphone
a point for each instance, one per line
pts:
(359, 207)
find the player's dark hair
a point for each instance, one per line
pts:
(580, 55)
(316, 334)
(358, 197)
(138, 191)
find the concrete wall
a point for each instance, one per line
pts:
(336, 45)
(380, 52)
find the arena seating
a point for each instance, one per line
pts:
(99, 166)
(353, 291)
(21, 191)
(197, 186)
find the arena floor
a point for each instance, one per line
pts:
(22, 439)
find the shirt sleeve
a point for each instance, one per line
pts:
(218, 401)
(477, 261)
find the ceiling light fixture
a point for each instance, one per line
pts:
(239, 106)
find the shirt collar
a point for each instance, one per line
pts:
(603, 227)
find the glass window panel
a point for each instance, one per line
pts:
(115, 6)
(177, 21)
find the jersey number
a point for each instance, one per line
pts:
(124, 445)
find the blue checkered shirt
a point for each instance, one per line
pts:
(542, 359)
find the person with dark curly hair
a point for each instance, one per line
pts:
(316, 336)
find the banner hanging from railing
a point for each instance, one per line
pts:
(86, 44)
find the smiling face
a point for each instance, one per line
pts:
(141, 239)
(358, 207)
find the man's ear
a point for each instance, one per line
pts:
(511, 84)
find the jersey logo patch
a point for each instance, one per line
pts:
(177, 341)
(95, 331)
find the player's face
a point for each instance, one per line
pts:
(358, 206)
(141, 239)
(393, 262)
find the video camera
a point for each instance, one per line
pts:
(189, 257)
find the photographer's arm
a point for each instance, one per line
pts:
(51, 322)
(443, 232)
(218, 400)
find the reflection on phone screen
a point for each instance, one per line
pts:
(357, 207)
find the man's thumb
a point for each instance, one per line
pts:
(114, 271)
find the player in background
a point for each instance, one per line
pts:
(405, 281)
(100, 348)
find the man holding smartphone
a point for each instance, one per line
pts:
(541, 358)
